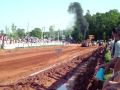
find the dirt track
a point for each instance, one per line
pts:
(20, 63)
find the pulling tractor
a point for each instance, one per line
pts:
(88, 42)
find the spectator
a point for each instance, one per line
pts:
(113, 83)
(116, 45)
(115, 48)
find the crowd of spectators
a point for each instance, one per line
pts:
(108, 71)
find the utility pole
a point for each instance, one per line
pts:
(27, 27)
(43, 30)
(7, 33)
(58, 34)
(28, 34)
(3, 41)
(54, 31)
(44, 33)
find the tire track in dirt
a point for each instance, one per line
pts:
(52, 78)
(24, 66)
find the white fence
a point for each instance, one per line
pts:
(23, 45)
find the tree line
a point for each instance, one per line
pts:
(15, 33)
(100, 24)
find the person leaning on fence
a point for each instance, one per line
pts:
(113, 83)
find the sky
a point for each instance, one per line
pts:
(43, 13)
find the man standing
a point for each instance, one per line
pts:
(113, 83)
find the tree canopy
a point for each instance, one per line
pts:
(20, 32)
(36, 32)
(51, 32)
(101, 24)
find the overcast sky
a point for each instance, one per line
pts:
(43, 13)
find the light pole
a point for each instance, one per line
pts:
(3, 41)
(28, 34)
(43, 30)
(53, 32)
(42, 34)
(58, 35)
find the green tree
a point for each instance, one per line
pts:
(20, 32)
(68, 33)
(104, 36)
(51, 32)
(46, 35)
(103, 22)
(2, 32)
(14, 31)
(7, 30)
(36, 32)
